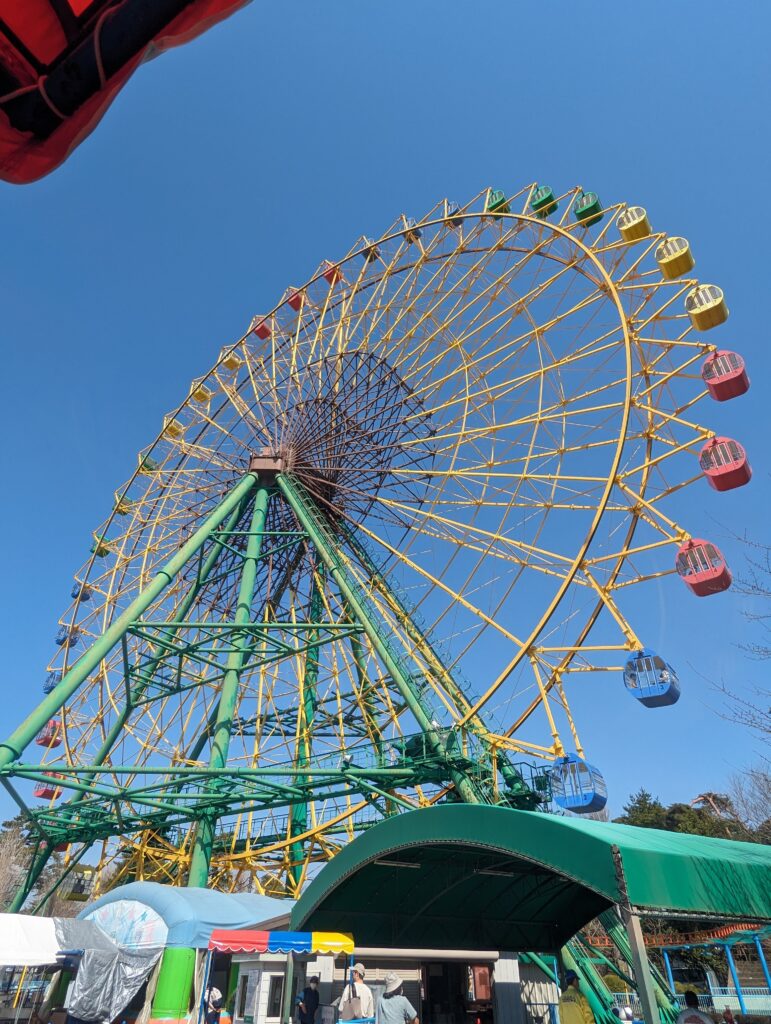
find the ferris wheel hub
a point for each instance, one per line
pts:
(349, 427)
(266, 465)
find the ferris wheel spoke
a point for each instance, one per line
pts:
(501, 317)
(437, 286)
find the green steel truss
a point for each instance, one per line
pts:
(106, 800)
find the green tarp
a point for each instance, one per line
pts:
(478, 877)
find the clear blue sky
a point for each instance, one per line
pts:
(228, 169)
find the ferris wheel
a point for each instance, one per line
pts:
(372, 553)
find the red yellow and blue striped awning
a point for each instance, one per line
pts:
(248, 941)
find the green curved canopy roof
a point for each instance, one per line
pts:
(462, 876)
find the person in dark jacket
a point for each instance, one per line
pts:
(308, 1001)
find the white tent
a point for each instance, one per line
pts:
(107, 977)
(27, 941)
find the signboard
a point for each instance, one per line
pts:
(250, 996)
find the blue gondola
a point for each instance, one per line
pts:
(452, 215)
(651, 680)
(578, 786)
(51, 681)
(370, 251)
(80, 592)
(411, 230)
(66, 638)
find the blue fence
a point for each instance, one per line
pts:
(757, 1002)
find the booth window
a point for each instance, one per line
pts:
(275, 994)
(242, 997)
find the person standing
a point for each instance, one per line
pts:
(213, 1005)
(356, 1001)
(692, 1014)
(308, 1001)
(573, 1005)
(393, 1007)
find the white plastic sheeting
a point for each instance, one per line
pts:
(27, 941)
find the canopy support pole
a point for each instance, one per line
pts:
(204, 988)
(735, 977)
(668, 968)
(286, 1002)
(642, 974)
(763, 961)
(642, 970)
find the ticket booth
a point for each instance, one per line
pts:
(260, 967)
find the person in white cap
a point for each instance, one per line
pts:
(356, 1000)
(393, 1007)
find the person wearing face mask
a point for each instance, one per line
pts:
(308, 1001)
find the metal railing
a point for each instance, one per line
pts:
(541, 1013)
(757, 1001)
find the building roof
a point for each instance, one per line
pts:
(471, 876)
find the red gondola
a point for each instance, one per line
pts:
(261, 327)
(295, 297)
(48, 790)
(701, 566)
(50, 735)
(724, 463)
(331, 272)
(725, 375)
(62, 63)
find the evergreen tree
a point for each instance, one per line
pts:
(644, 810)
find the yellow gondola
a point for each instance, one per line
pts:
(706, 307)
(173, 428)
(674, 257)
(232, 361)
(633, 223)
(201, 394)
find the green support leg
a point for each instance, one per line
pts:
(175, 983)
(309, 517)
(590, 989)
(181, 614)
(204, 838)
(40, 858)
(369, 709)
(12, 748)
(299, 815)
(514, 781)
